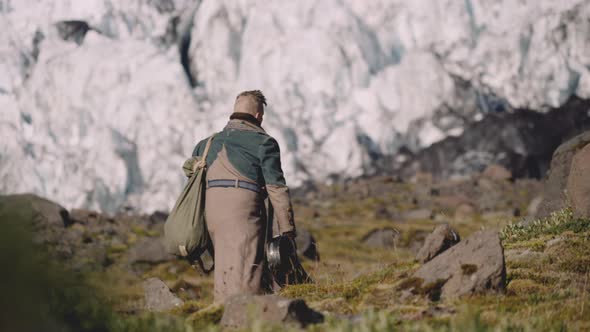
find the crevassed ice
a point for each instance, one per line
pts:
(109, 122)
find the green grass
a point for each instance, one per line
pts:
(357, 288)
(40, 294)
(351, 291)
(557, 223)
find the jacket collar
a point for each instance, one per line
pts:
(239, 124)
(246, 117)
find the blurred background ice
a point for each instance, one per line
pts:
(101, 101)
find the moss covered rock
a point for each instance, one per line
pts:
(474, 266)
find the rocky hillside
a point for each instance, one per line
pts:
(102, 100)
(424, 254)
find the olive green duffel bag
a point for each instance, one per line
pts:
(185, 230)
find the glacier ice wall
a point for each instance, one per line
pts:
(98, 125)
(97, 109)
(348, 80)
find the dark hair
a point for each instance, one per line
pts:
(256, 94)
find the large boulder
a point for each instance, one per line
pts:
(241, 310)
(474, 266)
(63, 236)
(149, 250)
(45, 218)
(158, 296)
(381, 238)
(578, 183)
(46, 212)
(442, 238)
(554, 195)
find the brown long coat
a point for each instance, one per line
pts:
(237, 224)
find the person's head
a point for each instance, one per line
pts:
(251, 102)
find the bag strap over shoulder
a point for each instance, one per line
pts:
(203, 162)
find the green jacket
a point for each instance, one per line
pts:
(256, 155)
(253, 152)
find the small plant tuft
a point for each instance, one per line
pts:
(468, 269)
(557, 223)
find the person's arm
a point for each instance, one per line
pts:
(278, 192)
(201, 146)
(198, 149)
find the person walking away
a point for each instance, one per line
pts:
(244, 166)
